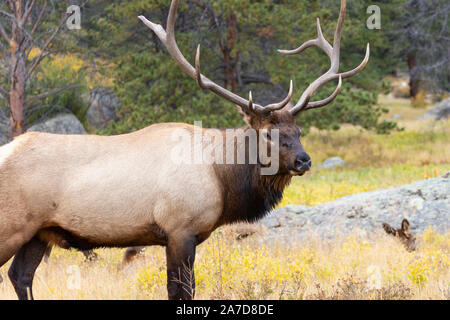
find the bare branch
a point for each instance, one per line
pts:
(27, 13)
(51, 93)
(4, 91)
(38, 21)
(9, 15)
(3, 33)
(44, 48)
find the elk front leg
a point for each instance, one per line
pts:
(180, 253)
(26, 260)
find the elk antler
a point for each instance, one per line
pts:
(332, 74)
(167, 37)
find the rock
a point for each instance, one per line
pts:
(440, 111)
(397, 116)
(62, 124)
(331, 163)
(424, 203)
(286, 216)
(103, 107)
(5, 131)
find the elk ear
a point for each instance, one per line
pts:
(246, 114)
(388, 229)
(405, 228)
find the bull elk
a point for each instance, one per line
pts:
(92, 191)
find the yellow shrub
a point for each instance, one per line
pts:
(420, 100)
(418, 273)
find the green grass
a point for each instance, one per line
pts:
(322, 186)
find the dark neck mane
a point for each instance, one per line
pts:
(249, 196)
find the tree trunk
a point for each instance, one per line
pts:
(413, 80)
(17, 103)
(227, 48)
(17, 91)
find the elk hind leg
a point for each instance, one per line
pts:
(25, 263)
(131, 254)
(10, 243)
(90, 255)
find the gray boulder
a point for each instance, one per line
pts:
(5, 131)
(424, 203)
(103, 107)
(331, 163)
(62, 124)
(438, 112)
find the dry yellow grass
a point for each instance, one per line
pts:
(346, 268)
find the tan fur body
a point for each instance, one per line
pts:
(111, 190)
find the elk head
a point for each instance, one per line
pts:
(404, 234)
(278, 116)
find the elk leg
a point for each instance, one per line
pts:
(130, 255)
(48, 251)
(10, 244)
(26, 260)
(90, 255)
(180, 255)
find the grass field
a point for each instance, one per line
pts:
(346, 268)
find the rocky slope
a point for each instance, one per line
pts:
(423, 203)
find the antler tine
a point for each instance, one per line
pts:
(282, 104)
(167, 37)
(337, 39)
(198, 75)
(351, 73)
(333, 53)
(320, 42)
(321, 103)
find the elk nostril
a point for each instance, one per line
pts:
(303, 158)
(303, 162)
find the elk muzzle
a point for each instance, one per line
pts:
(302, 163)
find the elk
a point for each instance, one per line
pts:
(90, 255)
(130, 255)
(129, 190)
(403, 234)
